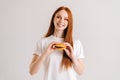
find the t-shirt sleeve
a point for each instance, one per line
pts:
(38, 48)
(78, 49)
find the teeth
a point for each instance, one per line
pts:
(61, 25)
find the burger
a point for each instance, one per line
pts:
(60, 46)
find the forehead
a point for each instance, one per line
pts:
(62, 13)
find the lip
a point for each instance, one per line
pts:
(61, 24)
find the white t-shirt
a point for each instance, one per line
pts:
(53, 61)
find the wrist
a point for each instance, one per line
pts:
(47, 53)
(74, 59)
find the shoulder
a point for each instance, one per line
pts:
(77, 42)
(42, 39)
(77, 45)
(78, 49)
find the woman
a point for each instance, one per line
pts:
(59, 64)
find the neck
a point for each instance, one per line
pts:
(58, 34)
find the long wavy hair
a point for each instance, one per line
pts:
(66, 61)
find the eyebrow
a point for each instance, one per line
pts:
(60, 15)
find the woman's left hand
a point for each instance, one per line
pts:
(69, 50)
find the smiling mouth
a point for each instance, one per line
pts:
(61, 25)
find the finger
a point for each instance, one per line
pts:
(68, 44)
(67, 51)
(52, 44)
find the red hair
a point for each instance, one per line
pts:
(66, 61)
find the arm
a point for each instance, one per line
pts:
(36, 63)
(78, 66)
(77, 63)
(39, 60)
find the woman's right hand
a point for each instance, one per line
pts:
(50, 48)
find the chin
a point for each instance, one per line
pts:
(61, 28)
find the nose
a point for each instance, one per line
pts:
(62, 20)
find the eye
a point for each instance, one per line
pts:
(58, 17)
(66, 19)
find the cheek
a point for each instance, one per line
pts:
(67, 23)
(54, 21)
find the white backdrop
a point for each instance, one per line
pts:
(96, 24)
